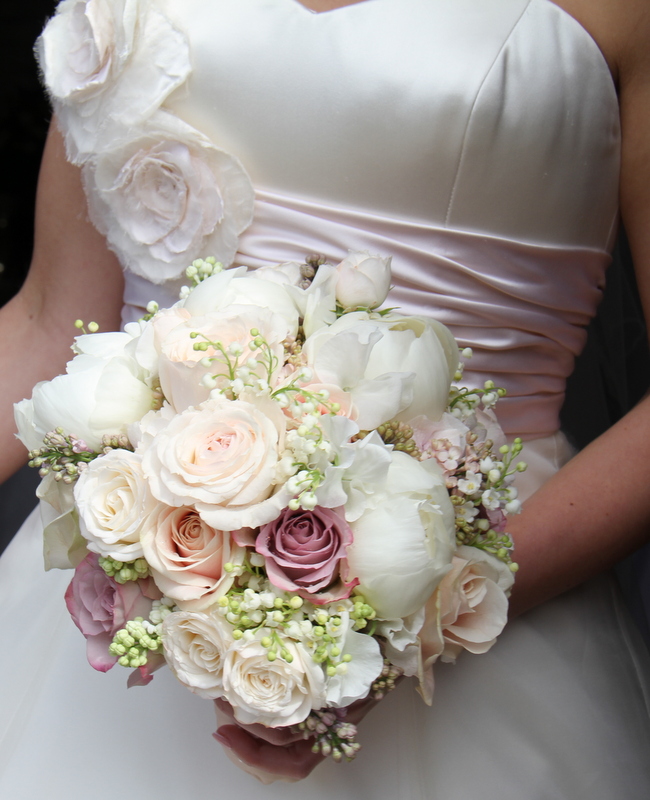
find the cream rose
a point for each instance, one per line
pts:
(220, 457)
(166, 197)
(274, 693)
(363, 280)
(101, 62)
(187, 556)
(113, 500)
(195, 645)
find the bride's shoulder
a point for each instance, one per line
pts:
(107, 66)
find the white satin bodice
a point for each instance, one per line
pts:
(478, 144)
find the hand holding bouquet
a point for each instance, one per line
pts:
(274, 488)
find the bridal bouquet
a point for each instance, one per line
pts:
(274, 488)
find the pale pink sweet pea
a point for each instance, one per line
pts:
(305, 552)
(468, 611)
(100, 607)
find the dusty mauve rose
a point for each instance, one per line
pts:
(186, 556)
(100, 606)
(305, 553)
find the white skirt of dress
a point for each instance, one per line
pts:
(557, 710)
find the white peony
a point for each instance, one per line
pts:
(195, 645)
(393, 367)
(166, 197)
(273, 693)
(239, 287)
(340, 355)
(404, 541)
(113, 500)
(108, 65)
(363, 280)
(97, 396)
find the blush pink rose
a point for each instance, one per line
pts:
(186, 556)
(305, 552)
(100, 607)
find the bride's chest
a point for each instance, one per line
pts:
(439, 111)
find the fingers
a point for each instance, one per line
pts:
(294, 761)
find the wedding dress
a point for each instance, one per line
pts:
(478, 144)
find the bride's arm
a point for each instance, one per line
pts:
(72, 276)
(596, 510)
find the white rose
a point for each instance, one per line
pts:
(186, 556)
(108, 65)
(195, 645)
(237, 287)
(181, 367)
(97, 396)
(363, 280)
(113, 501)
(220, 457)
(404, 542)
(273, 693)
(166, 197)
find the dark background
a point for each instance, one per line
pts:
(611, 375)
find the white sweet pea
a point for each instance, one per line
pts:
(63, 545)
(358, 471)
(108, 65)
(404, 542)
(367, 661)
(402, 645)
(113, 501)
(363, 280)
(274, 693)
(167, 196)
(317, 303)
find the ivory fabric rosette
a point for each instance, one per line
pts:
(282, 495)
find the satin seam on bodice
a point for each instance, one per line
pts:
(470, 116)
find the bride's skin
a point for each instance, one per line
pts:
(592, 513)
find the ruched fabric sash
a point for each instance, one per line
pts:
(521, 307)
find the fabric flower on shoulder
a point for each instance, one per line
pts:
(108, 65)
(166, 196)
